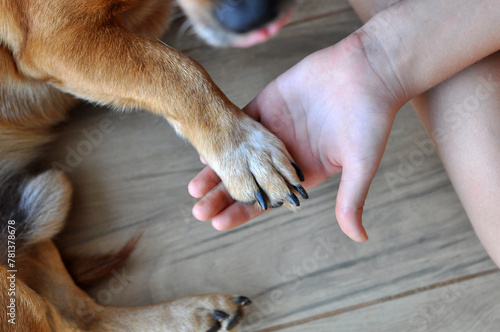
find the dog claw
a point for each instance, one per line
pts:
(260, 196)
(216, 327)
(219, 315)
(242, 301)
(225, 321)
(299, 172)
(293, 199)
(235, 319)
(301, 191)
(276, 205)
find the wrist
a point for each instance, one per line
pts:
(415, 45)
(386, 54)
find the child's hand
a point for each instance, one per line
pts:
(334, 114)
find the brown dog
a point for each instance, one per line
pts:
(106, 51)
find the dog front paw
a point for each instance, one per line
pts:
(256, 168)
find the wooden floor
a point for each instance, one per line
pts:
(422, 270)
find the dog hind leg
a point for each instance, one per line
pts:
(209, 312)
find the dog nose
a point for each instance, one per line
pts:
(245, 15)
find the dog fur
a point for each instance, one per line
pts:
(54, 52)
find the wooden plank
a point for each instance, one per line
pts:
(471, 305)
(293, 265)
(311, 9)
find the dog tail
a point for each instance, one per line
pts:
(32, 208)
(87, 271)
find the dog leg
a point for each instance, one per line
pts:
(69, 308)
(94, 58)
(210, 312)
(27, 313)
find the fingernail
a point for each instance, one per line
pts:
(361, 236)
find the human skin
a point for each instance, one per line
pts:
(462, 116)
(398, 54)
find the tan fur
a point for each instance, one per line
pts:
(52, 302)
(69, 45)
(107, 52)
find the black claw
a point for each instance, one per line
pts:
(301, 191)
(219, 315)
(216, 327)
(234, 320)
(293, 199)
(298, 171)
(276, 205)
(242, 301)
(261, 198)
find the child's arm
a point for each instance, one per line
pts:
(401, 52)
(415, 45)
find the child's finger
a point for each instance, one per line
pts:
(354, 186)
(203, 182)
(214, 202)
(235, 215)
(225, 212)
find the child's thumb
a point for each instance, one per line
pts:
(353, 189)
